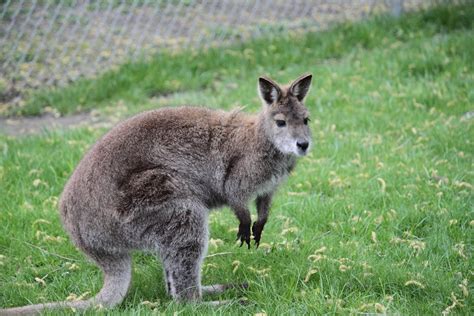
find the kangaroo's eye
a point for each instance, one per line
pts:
(280, 123)
(306, 120)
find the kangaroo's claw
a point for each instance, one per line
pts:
(257, 229)
(244, 234)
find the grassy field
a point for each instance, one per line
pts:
(377, 219)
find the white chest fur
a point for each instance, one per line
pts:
(271, 184)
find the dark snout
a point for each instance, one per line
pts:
(302, 147)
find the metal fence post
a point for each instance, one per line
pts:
(396, 7)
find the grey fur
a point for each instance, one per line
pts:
(150, 182)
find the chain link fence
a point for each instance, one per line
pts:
(54, 42)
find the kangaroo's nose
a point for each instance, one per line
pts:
(303, 145)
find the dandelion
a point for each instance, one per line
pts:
(71, 297)
(40, 281)
(289, 230)
(210, 265)
(151, 305)
(374, 237)
(40, 221)
(320, 250)
(72, 266)
(52, 200)
(416, 283)
(344, 268)
(453, 305)
(57, 239)
(382, 184)
(291, 193)
(343, 260)
(357, 160)
(461, 185)
(337, 302)
(216, 242)
(83, 296)
(316, 257)
(417, 245)
(34, 171)
(356, 219)
(338, 182)
(236, 265)
(309, 274)
(460, 250)
(379, 308)
(378, 220)
(265, 246)
(464, 288)
(318, 254)
(366, 266)
(261, 272)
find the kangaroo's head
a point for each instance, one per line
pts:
(285, 118)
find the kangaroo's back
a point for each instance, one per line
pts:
(187, 141)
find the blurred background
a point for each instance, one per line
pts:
(45, 43)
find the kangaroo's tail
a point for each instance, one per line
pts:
(117, 278)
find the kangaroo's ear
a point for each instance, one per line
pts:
(300, 87)
(268, 90)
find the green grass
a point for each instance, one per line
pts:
(378, 218)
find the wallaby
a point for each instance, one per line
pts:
(150, 182)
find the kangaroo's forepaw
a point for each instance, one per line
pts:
(244, 234)
(243, 286)
(257, 229)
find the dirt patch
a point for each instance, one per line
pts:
(21, 126)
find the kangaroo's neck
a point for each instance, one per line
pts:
(262, 137)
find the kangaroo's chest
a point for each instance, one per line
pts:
(273, 176)
(270, 184)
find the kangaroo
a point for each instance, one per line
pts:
(151, 181)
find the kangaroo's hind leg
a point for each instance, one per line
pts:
(117, 276)
(182, 244)
(117, 269)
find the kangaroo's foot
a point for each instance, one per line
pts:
(220, 288)
(226, 302)
(244, 234)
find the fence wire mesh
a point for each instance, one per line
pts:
(54, 42)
